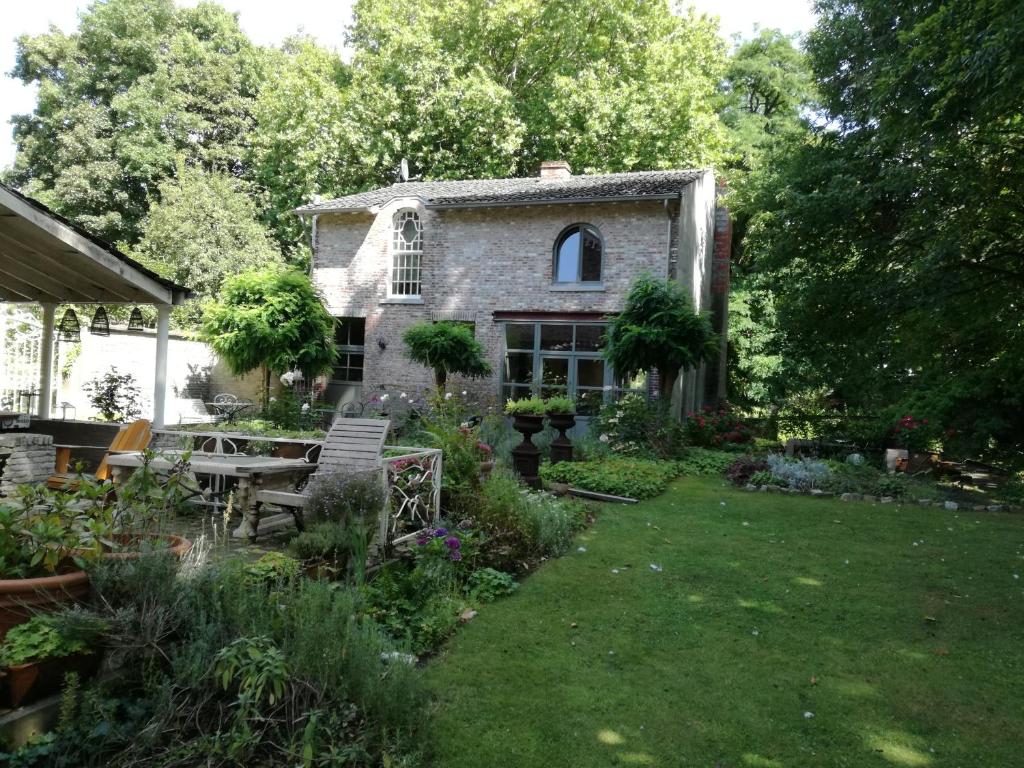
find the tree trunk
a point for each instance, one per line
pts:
(440, 378)
(667, 385)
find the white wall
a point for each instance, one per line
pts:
(135, 353)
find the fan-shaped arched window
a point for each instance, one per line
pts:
(406, 251)
(578, 255)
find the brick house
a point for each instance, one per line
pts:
(535, 265)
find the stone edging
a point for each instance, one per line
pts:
(951, 505)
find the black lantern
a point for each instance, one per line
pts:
(100, 325)
(69, 328)
(135, 321)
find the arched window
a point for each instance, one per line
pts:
(406, 251)
(578, 255)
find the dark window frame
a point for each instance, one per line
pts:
(556, 253)
(345, 353)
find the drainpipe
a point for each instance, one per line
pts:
(669, 266)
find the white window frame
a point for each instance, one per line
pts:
(406, 262)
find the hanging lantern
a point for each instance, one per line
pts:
(69, 329)
(135, 321)
(100, 325)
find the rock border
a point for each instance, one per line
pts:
(950, 505)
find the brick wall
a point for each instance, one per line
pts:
(475, 262)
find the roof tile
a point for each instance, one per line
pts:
(497, 192)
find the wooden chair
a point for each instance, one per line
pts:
(351, 446)
(131, 437)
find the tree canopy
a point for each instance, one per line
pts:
(659, 328)
(270, 318)
(447, 348)
(139, 84)
(894, 233)
(202, 230)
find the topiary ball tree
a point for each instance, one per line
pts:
(272, 318)
(448, 348)
(659, 328)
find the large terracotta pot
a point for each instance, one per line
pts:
(526, 455)
(179, 545)
(561, 446)
(21, 598)
(35, 680)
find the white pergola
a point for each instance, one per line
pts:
(47, 260)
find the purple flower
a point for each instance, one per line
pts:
(440, 533)
(453, 542)
(423, 540)
(456, 555)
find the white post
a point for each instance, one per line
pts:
(46, 361)
(163, 327)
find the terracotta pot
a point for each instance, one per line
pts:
(36, 680)
(561, 446)
(21, 598)
(526, 455)
(178, 545)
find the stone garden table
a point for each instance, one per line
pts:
(251, 472)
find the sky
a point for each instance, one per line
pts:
(268, 22)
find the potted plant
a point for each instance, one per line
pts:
(38, 653)
(41, 561)
(527, 419)
(131, 525)
(562, 416)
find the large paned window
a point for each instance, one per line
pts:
(557, 359)
(349, 339)
(578, 255)
(406, 254)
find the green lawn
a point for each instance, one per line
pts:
(899, 628)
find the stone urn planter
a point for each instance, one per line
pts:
(561, 446)
(526, 455)
(21, 598)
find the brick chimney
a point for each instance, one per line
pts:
(555, 169)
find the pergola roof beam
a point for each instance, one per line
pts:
(22, 268)
(28, 291)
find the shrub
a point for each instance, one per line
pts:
(462, 449)
(306, 643)
(272, 569)
(633, 426)
(488, 584)
(523, 524)
(705, 461)
(799, 473)
(115, 395)
(711, 427)
(621, 476)
(745, 467)
(763, 477)
(561, 405)
(345, 498)
(44, 637)
(330, 544)
(530, 406)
